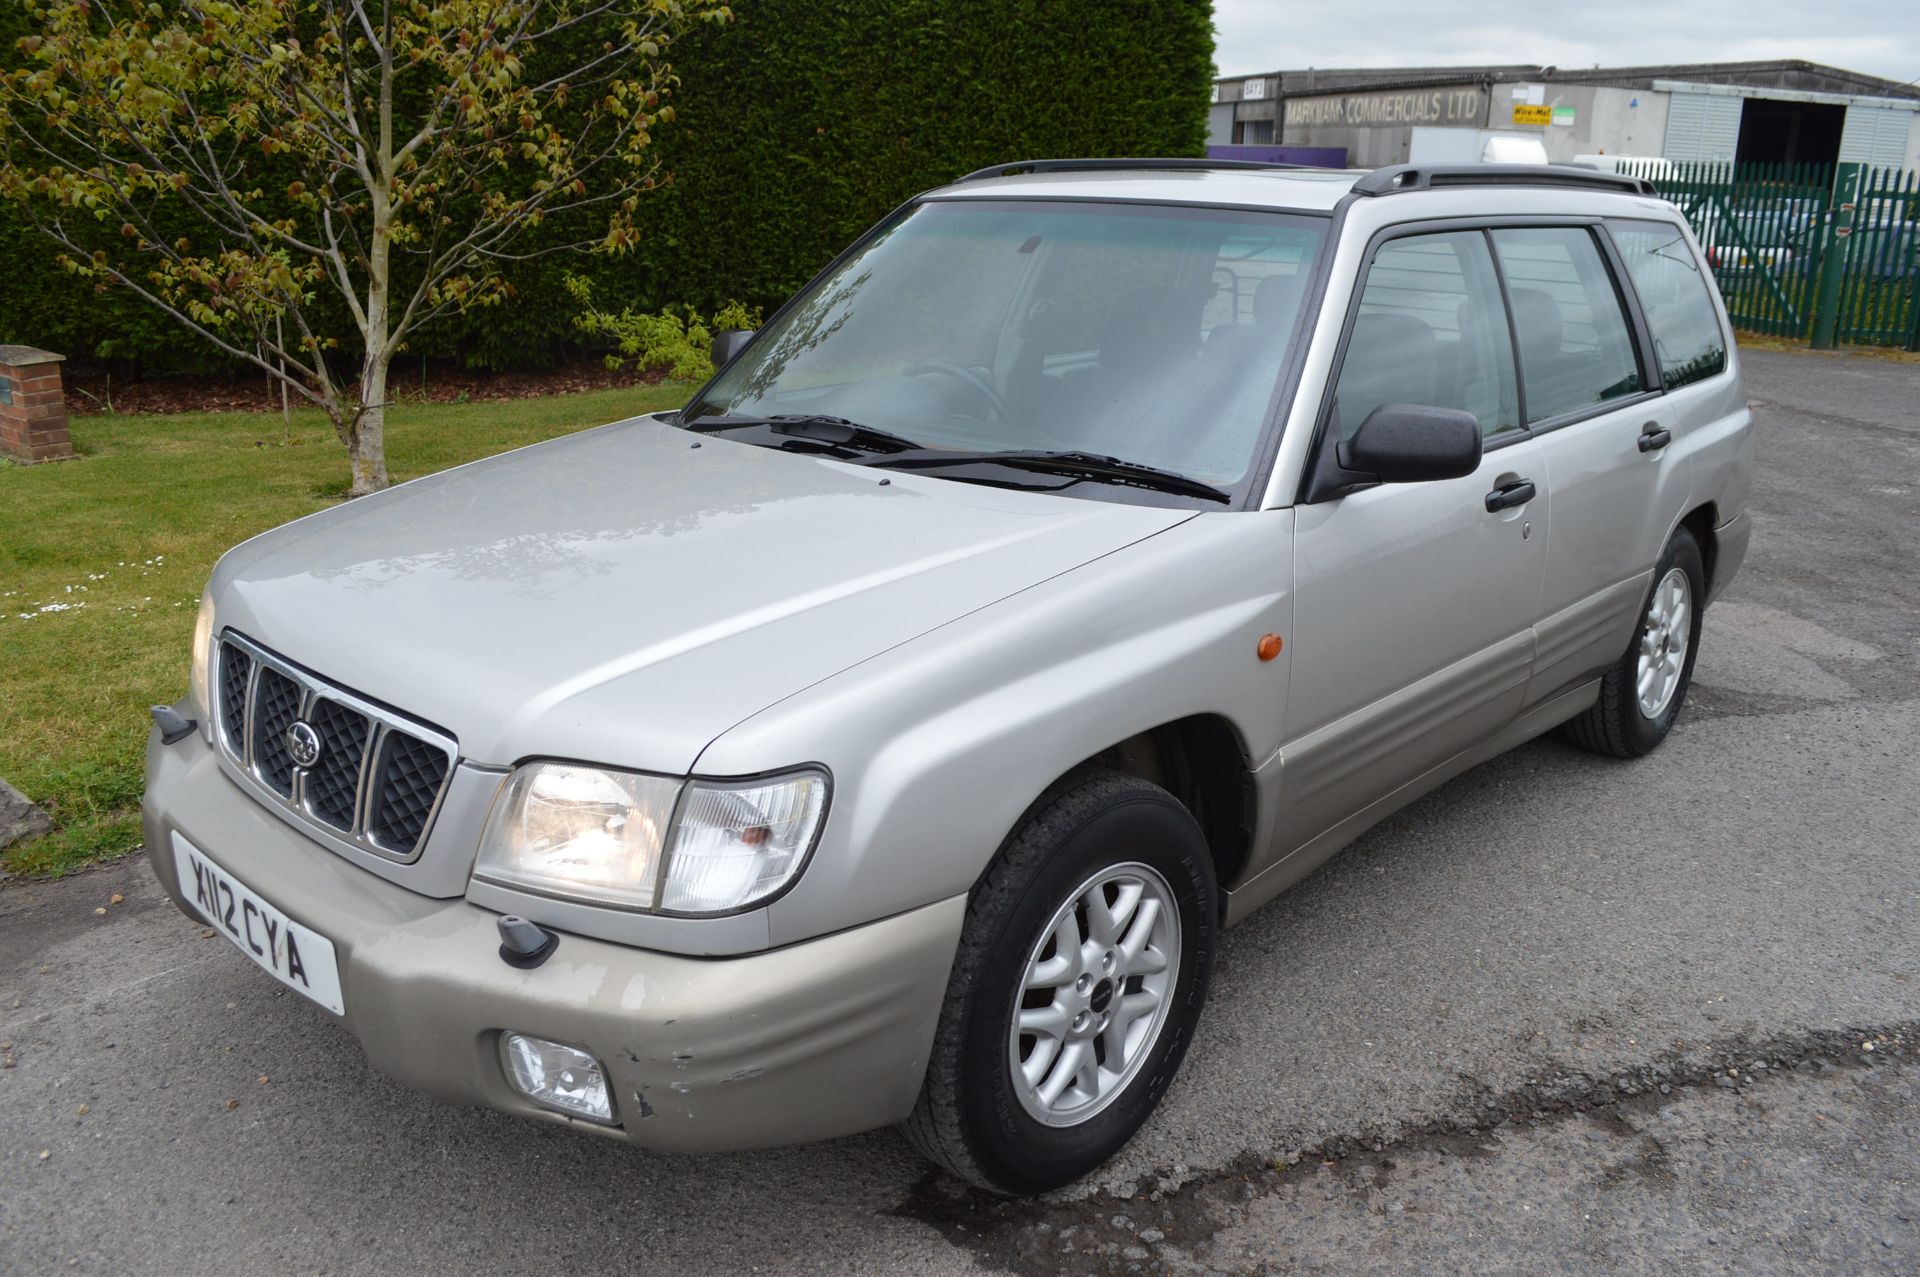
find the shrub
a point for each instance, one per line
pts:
(798, 125)
(675, 340)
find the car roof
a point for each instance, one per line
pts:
(1524, 188)
(1307, 190)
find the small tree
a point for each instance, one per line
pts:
(418, 143)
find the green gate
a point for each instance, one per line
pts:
(1877, 234)
(1807, 251)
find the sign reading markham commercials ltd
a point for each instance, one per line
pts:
(1453, 105)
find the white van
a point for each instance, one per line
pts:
(1431, 145)
(1653, 166)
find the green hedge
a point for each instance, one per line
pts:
(800, 124)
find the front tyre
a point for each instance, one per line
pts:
(1642, 694)
(1079, 979)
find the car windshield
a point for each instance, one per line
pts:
(1150, 334)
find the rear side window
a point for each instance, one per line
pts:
(1687, 340)
(1431, 331)
(1576, 349)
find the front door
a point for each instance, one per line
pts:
(1414, 603)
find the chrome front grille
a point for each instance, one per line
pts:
(378, 777)
(276, 708)
(333, 783)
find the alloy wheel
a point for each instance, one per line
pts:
(1664, 633)
(1097, 989)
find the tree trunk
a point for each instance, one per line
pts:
(368, 446)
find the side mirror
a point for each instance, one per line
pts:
(1398, 443)
(727, 343)
(1410, 443)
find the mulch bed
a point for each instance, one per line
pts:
(90, 390)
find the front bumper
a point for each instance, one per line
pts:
(809, 1042)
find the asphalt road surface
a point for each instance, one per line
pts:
(1563, 1015)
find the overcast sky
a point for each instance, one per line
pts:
(1880, 37)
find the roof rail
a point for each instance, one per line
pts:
(1395, 178)
(1093, 166)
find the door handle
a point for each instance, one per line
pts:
(1654, 436)
(1509, 495)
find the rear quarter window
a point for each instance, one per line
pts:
(1676, 297)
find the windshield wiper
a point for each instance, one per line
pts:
(1082, 465)
(817, 426)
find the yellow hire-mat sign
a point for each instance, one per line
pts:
(1525, 114)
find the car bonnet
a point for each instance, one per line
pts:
(626, 594)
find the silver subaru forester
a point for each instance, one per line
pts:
(1088, 553)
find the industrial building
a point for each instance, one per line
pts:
(1728, 112)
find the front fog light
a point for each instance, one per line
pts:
(560, 1077)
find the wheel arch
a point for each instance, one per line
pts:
(1202, 761)
(1701, 522)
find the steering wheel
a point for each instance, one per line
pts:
(966, 377)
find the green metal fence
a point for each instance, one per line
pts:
(1882, 259)
(1827, 253)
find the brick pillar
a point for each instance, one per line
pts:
(33, 405)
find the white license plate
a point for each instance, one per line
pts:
(298, 957)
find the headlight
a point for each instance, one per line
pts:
(578, 831)
(202, 654)
(613, 837)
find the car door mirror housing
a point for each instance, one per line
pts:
(727, 343)
(1411, 443)
(1398, 443)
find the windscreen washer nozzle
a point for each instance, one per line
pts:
(525, 944)
(173, 728)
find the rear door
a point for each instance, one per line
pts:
(1692, 353)
(1414, 603)
(1605, 433)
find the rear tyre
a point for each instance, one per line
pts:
(1079, 979)
(1642, 694)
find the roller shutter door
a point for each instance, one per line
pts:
(1703, 127)
(1220, 124)
(1875, 135)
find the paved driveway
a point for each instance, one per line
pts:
(1518, 1027)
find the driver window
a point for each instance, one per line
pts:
(1431, 330)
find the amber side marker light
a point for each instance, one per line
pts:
(1269, 647)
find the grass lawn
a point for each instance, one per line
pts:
(102, 561)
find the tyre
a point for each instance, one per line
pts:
(1080, 975)
(1642, 694)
